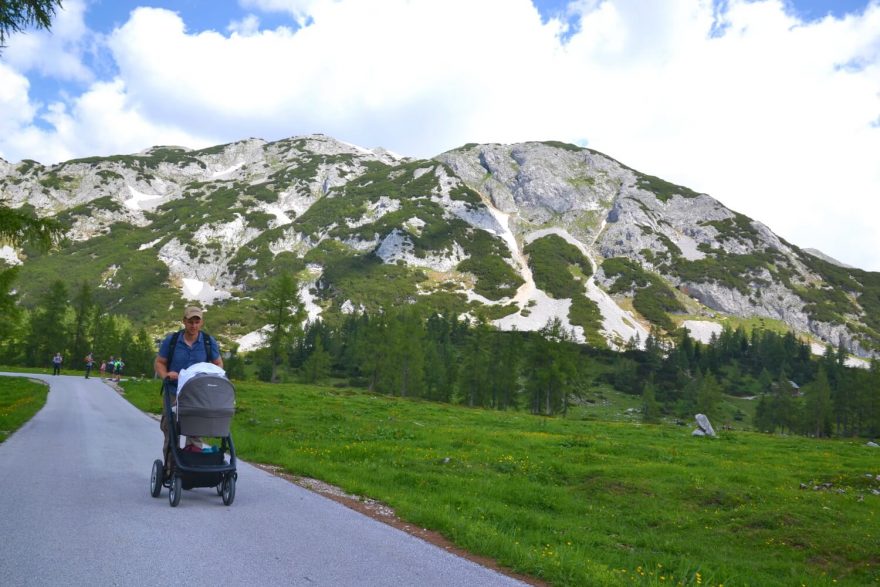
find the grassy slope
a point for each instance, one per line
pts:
(20, 399)
(581, 502)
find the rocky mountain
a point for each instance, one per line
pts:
(514, 234)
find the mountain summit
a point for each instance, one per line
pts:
(513, 234)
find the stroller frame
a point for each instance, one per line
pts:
(186, 470)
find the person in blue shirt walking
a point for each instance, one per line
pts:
(180, 350)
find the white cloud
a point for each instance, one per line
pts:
(248, 26)
(14, 103)
(299, 9)
(740, 99)
(58, 54)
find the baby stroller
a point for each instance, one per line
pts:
(205, 405)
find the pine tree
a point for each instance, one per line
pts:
(18, 15)
(283, 311)
(409, 352)
(817, 415)
(139, 360)
(473, 373)
(708, 395)
(316, 367)
(83, 319)
(48, 333)
(9, 311)
(784, 410)
(650, 407)
(440, 363)
(765, 420)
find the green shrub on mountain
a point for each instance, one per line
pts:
(652, 297)
(552, 260)
(495, 278)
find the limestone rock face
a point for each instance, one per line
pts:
(251, 202)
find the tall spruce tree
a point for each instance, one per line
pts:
(408, 352)
(283, 311)
(316, 367)
(9, 311)
(817, 411)
(48, 332)
(708, 395)
(83, 320)
(650, 406)
(473, 373)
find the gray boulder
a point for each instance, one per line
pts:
(704, 427)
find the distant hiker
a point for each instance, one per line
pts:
(117, 368)
(103, 368)
(180, 350)
(90, 362)
(56, 363)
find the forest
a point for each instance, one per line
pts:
(411, 352)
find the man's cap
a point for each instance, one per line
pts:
(191, 312)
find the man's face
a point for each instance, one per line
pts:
(192, 325)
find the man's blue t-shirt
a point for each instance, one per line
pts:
(184, 356)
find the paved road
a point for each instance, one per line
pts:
(75, 509)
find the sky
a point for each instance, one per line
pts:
(770, 106)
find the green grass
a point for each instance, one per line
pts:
(20, 399)
(580, 501)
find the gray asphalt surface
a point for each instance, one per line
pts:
(75, 509)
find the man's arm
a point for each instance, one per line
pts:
(161, 367)
(219, 360)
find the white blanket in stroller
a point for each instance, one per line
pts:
(192, 370)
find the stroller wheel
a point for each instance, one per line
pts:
(174, 492)
(219, 487)
(156, 478)
(228, 489)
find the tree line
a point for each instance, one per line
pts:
(72, 324)
(409, 352)
(440, 358)
(796, 392)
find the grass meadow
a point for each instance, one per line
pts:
(581, 500)
(592, 499)
(20, 399)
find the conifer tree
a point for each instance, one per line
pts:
(708, 395)
(507, 372)
(765, 420)
(283, 311)
(373, 349)
(817, 415)
(440, 358)
(48, 327)
(408, 352)
(473, 373)
(83, 320)
(650, 407)
(233, 363)
(107, 337)
(783, 406)
(316, 367)
(17, 15)
(140, 356)
(9, 311)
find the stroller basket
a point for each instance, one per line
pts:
(205, 406)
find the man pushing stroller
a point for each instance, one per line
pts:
(180, 350)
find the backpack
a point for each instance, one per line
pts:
(206, 338)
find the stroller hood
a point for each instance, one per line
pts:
(205, 405)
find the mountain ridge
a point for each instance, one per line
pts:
(450, 232)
